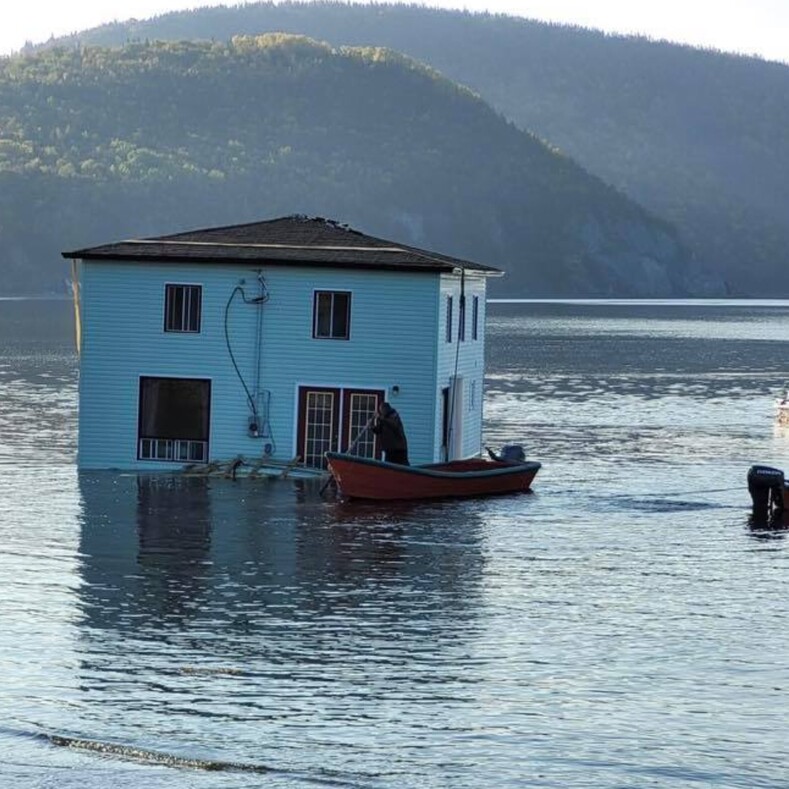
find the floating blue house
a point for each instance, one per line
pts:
(274, 340)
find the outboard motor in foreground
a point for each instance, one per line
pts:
(766, 486)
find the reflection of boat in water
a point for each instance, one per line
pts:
(365, 478)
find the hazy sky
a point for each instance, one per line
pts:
(758, 27)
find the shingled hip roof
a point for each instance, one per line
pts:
(291, 240)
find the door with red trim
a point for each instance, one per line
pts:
(359, 408)
(332, 419)
(319, 424)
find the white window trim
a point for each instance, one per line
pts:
(182, 332)
(315, 293)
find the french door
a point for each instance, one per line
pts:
(334, 419)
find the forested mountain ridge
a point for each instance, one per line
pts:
(99, 144)
(699, 137)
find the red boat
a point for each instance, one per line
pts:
(363, 478)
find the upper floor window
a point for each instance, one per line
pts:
(331, 315)
(475, 318)
(449, 318)
(462, 319)
(182, 307)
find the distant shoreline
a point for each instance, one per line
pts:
(590, 302)
(49, 297)
(653, 302)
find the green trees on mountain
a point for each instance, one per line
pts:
(700, 138)
(99, 144)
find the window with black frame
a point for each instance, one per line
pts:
(174, 419)
(182, 308)
(331, 315)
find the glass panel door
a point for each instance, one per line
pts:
(359, 410)
(318, 424)
(336, 419)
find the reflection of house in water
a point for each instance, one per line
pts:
(241, 569)
(252, 622)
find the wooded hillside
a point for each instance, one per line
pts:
(102, 144)
(698, 137)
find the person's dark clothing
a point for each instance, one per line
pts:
(389, 428)
(399, 456)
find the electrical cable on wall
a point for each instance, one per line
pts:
(258, 300)
(263, 425)
(266, 430)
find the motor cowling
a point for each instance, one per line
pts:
(512, 453)
(766, 486)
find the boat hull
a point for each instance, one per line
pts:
(361, 478)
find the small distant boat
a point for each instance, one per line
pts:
(364, 478)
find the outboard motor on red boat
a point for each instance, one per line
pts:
(513, 453)
(766, 486)
(510, 453)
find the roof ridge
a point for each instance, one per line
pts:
(250, 245)
(305, 218)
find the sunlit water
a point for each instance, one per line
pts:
(625, 626)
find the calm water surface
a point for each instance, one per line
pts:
(625, 626)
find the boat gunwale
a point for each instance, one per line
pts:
(430, 470)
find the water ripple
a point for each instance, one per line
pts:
(623, 626)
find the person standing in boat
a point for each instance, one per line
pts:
(390, 431)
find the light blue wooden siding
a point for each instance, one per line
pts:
(394, 319)
(470, 356)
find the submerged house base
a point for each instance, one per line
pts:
(245, 468)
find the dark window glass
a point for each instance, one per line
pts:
(340, 316)
(174, 419)
(462, 320)
(449, 318)
(174, 408)
(323, 302)
(182, 308)
(332, 315)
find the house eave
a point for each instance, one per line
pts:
(256, 262)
